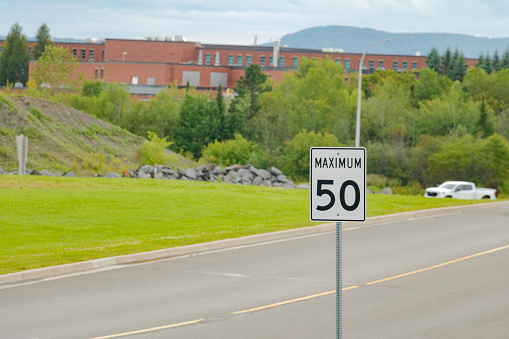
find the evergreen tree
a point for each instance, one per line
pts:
(457, 67)
(488, 65)
(446, 62)
(199, 124)
(14, 60)
(505, 59)
(43, 39)
(433, 60)
(496, 63)
(486, 127)
(254, 84)
(480, 61)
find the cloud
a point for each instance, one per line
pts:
(237, 22)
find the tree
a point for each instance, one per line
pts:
(43, 39)
(318, 99)
(254, 84)
(430, 84)
(496, 63)
(486, 126)
(446, 61)
(14, 59)
(433, 60)
(199, 123)
(295, 159)
(505, 59)
(56, 69)
(457, 67)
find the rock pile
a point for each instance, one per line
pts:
(240, 175)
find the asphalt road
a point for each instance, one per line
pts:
(435, 277)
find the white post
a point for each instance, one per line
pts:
(358, 121)
(22, 144)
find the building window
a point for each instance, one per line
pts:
(96, 73)
(74, 53)
(271, 61)
(262, 61)
(31, 52)
(92, 55)
(239, 60)
(104, 53)
(414, 65)
(338, 61)
(295, 62)
(347, 63)
(151, 81)
(395, 65)
(405, 65)
(371, 64)
(380, 64)
(1, 48)
(102, 73)
(207, 59)
(83, 54)
(281, 62)
(249, 60)
(230, 59)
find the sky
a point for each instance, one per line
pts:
(239, 22)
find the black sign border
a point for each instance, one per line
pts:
(311, 182)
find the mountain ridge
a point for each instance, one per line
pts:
(355, 40)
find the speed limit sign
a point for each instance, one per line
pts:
(338, 183)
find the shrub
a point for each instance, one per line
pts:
(153, 151)
(235, 151)
(294, 161)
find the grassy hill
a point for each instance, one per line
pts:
(62, 138)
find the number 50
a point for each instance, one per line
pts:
(321, 191)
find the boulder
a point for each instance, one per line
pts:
(282, 178)
(302, 186)
(288, 184)
(370, 191)
(386, 190)
(246, 174)
(275, 171)
(232, 176)
(35, 172)
(2, 171)
(112, 175)
(266, 183)
(148, 169)
(47, 173)
(190, 173)
(263, 173)
(70, 174)
(257, 180)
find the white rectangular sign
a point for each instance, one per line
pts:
(337, 183)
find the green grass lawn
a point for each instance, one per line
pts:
(48, 221)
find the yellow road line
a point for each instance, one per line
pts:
(311, 296)
(438, 266)
(149, 329)
(291, 301)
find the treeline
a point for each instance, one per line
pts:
(420, 130)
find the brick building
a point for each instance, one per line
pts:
(148, 65)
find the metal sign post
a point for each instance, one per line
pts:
(22, 144)
(338, 193)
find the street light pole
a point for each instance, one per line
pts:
(358, 121)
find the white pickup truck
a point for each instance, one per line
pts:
(460, 190)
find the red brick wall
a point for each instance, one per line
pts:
(150, 51)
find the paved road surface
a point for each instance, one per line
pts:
(434, 277)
